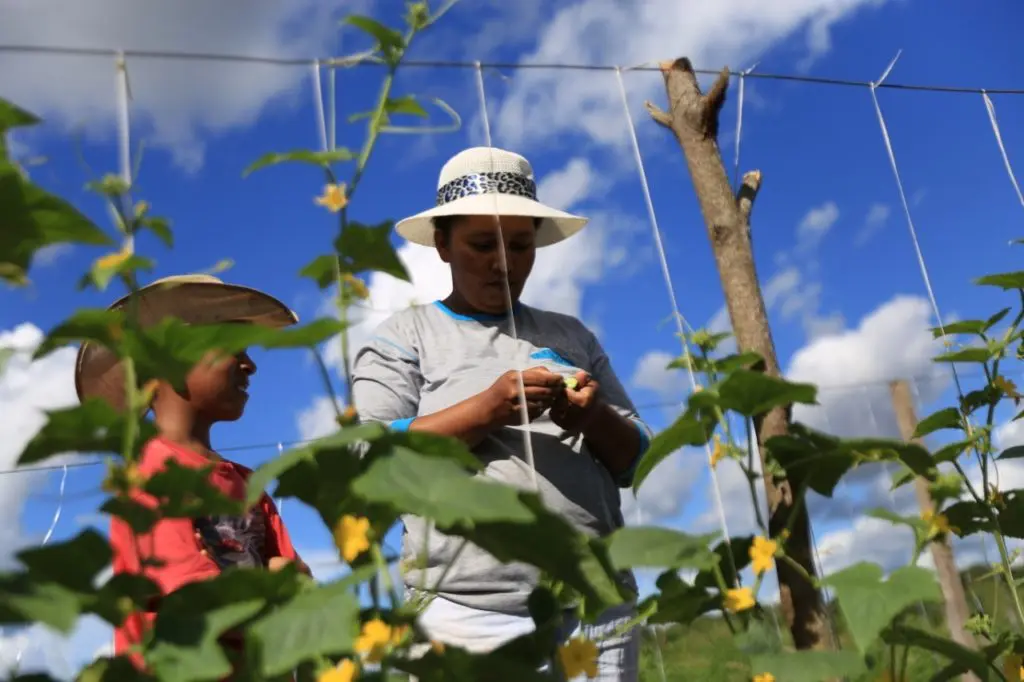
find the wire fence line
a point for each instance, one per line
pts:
(364, 60)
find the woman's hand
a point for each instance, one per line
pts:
(540, 385)
(276, 563)
(575, 408)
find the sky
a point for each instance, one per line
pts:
(839, 271)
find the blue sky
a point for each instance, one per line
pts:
(830, 237)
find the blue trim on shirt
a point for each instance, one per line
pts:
(404, 351)
(548, 354)
(625, 479)
(401, 424)
(479, 317)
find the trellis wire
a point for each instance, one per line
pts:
(990, 107)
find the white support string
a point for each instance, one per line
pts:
(124, 149)
(523, 410)
(906, 208)
(280, 500)
(991, 109)
(739, 126)
(669, 286)
(318, 105)
(332, 113)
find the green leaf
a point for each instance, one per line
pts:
(139, 517)
(85, 324)
(361, 248)
(407, 104)
(13, 116)
(388, 38)
(186, 493)
(135, 589)
(809, 666)
(976, 327)
(553, 546)
(869, 603)
(968, 517)
(981, 355)
(948, 418)
(966, 659)
(688, 429)
(25, 600)
(739, 549)
(753, 393)
(110, 185)
(323, 159)
(73, 564)
(916, 524)
(93, 427)
(1006, 280)
(438, 489)
(678, 601)
(723, 365)
(318, 622)
(271, 470)
(652, 547)
(32, 219)
(117, 669)
(1014, 452)
(323, 270)
(103, 272)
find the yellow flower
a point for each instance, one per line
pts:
(937, 523)
(1013, 667)
(717, 452)
(764, 677)
(762, 554)
(398, 634)
(994, 497)
(346, 671)
(374, 639)
(351, 536)
(1006, 386)
(356, 286)
(739, 599)
(112, 261)
(438, 647)
(333, 198)
(578, 656)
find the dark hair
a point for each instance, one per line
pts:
(445, 223)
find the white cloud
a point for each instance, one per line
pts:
(628, 33)
(319, 419)
(815, 225)
(26, 389)
(875, 220)
(665, 491)
(652, 373)
(574, 183)
(175, 103)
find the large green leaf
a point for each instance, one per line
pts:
(678, 601)
(13, 116)
(964, 658)
(438, 489)
(552, 545)
(116, 669)
(74, 563)
(809, 666)
(33, 218)
(752, 393)
(968, 517)
(652, 547)
(688, 429)
(324, 158)
(93, 427)
(390, 41)
(1006, 280)
(723, 365)
(947, 418)
(318, 622)
(734, 551)
(25, 600)
(184, 492)
(364, 248)
(869, 602)
(980, 355)
(969, 326)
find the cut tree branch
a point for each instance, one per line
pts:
(748, 192)
(660, 117)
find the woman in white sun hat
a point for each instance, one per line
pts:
(449, 368)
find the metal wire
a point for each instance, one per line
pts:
(367, 59)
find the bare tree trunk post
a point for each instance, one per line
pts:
(952, 585)
(693, 118)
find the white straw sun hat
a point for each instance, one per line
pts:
(490, 181)
(194, 299)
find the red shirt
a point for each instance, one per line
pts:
(174, 542)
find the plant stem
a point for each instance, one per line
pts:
(748, 471)
(326, 376)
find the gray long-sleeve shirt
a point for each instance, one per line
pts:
(428, 358)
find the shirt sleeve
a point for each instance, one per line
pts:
(386, 378)
(171, 544)
(614, 395)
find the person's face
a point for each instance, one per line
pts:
(472, 249)
(217, 387)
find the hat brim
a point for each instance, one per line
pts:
(555, 225)
(100, 374)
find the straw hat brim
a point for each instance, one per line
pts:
(555, 225)
(98, 373)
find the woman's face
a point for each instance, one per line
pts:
(472, 250)
(218, 387)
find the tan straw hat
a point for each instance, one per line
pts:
(194, 299)
(490, 181)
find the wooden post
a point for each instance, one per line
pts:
(952, 585)
(693, 118)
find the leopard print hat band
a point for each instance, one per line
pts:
(514, 184)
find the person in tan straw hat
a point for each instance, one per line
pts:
(450, 368)
(216, 390)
